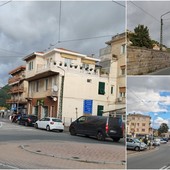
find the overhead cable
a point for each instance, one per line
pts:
(5, 3)
(145, 11)
(118, 3)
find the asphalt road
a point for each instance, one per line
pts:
(12, 136)
(155, 159)
(13, 132)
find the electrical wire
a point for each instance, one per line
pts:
(145, 11)
(118, 3)
(5, 3)
(59, 25)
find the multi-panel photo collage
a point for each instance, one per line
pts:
(84, 84)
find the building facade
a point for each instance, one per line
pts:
(113, 62)
(18, 90)
(67, 85)
(138, 125)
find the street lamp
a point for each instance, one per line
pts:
(162, 29)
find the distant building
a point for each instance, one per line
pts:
(138, 125)
(18, 90)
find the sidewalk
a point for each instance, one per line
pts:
(89, 153)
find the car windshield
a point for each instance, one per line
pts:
(136, 140)
(56, 120)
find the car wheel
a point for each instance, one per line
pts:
(116, 139)
(100, 136)
(26, 123)
(137, 148)
(48, 128)
(60, 130)
(72, 131)
(36, 126)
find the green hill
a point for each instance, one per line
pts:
(3, 96)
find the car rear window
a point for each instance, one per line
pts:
(56, 120)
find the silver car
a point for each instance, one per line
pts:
(135, 144)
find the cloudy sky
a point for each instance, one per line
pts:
(150, 96)
(29, 26)
(148, 13)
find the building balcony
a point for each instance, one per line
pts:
(51, 92)
(17, 90)
(45, 70)
(10, 101)
(120, 100)
(15, 79)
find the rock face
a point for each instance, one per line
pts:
(141, 61)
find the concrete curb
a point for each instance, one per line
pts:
(73, 158)
(143, 152)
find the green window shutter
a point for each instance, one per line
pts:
(101, 89)
(100, 110)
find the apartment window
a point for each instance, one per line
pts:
(46, 84)
(137, 124)
(101, 88)
(123, 70)
(37, 86)
(68, 61)
(123, 48)
(137, 130)
(112, 88)
(143, 130)
(89, 80)
(30, 65)
(143, 124)
(132, 124)
(100, 110)
(122, 91)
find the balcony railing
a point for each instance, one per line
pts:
(16, 101)
(15, 79)
(17, 90)
(120, 100)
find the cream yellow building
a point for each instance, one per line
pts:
(138, 125)
(113, 62)
(67, 85)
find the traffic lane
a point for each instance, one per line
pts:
(150, 160)
(12, 132)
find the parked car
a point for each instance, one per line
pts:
(166, 139)
(162, 141)
(98, 126)
(156, 142)
(27, 120)
(50, 123)
(135, 144)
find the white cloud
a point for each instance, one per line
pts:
(159, 120)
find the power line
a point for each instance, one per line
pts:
(59, 25)
(118, 3)
(11, 51)
(5, 3)
(145, 11)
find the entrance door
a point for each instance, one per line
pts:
(100, 110)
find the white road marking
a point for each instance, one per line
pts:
(165, 167)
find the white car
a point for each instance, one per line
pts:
(50, 123)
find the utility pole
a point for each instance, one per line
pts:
(161, 31)
(161, 34)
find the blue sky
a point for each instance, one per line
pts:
(150, 96)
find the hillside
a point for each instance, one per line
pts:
(3, 96)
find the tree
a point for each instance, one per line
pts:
(141, 37)
(163, 128)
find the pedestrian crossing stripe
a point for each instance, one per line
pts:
(166, 167)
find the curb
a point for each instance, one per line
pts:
(123, 162)
(141, 152)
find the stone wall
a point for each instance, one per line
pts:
(141, 61)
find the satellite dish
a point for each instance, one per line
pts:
(55, 88)
(55, 99)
